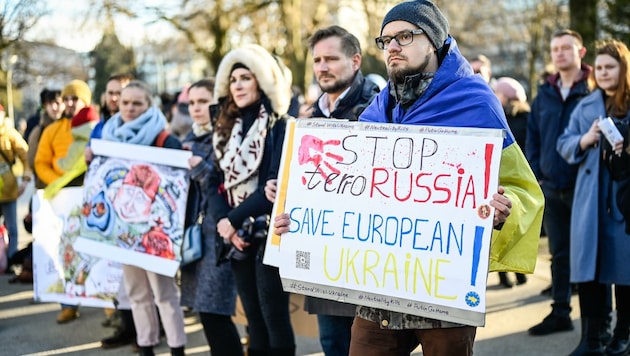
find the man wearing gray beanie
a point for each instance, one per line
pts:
(431, 83)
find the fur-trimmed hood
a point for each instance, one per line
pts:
(273, 77)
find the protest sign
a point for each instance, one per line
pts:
(134, 202)
(62, 274)
(389, 216)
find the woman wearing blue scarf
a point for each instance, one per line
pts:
(139, 122)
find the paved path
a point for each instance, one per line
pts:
(28, 328)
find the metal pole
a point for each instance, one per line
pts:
(10, 117)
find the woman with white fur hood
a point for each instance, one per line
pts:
(253, 92)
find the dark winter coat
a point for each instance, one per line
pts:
(361, 93)
(547, 120)
(205, 287)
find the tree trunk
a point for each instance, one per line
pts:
(584, 21)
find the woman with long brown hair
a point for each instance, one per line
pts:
(600, 243)
(253, 90)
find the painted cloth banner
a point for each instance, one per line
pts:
(133, 207)
(390, 216)
(62, 274)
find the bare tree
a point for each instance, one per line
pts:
(110, 57)
(281, 26)
(298, 27)
(17, 18)
(514, 34)
(543, 19)
(204, 24)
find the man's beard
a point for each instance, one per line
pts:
(336, 86)
(398, 75)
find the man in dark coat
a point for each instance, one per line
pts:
(549, 116)
(346, 93)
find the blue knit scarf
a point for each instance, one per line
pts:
(141, 131)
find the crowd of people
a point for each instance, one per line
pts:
(234, 126)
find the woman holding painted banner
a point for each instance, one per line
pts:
(253, 92)
(139, 122)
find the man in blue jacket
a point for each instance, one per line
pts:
(431, 83)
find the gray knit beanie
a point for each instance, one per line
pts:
(423, 14)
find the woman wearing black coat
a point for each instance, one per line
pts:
(207, 288)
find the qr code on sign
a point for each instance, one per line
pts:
(302, 260)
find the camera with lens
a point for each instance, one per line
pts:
(253, 231)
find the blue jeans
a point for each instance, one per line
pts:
(557, 221)
(334, 334)
(9, 212)
(265, 303)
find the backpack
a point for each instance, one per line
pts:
(618, 165)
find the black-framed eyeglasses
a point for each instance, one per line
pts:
(403, 38)
(70, 98)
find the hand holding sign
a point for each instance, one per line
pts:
(501, 205)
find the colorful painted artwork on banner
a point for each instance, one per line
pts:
(133, 206)
(61, 273)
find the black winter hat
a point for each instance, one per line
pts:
(423, 14)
